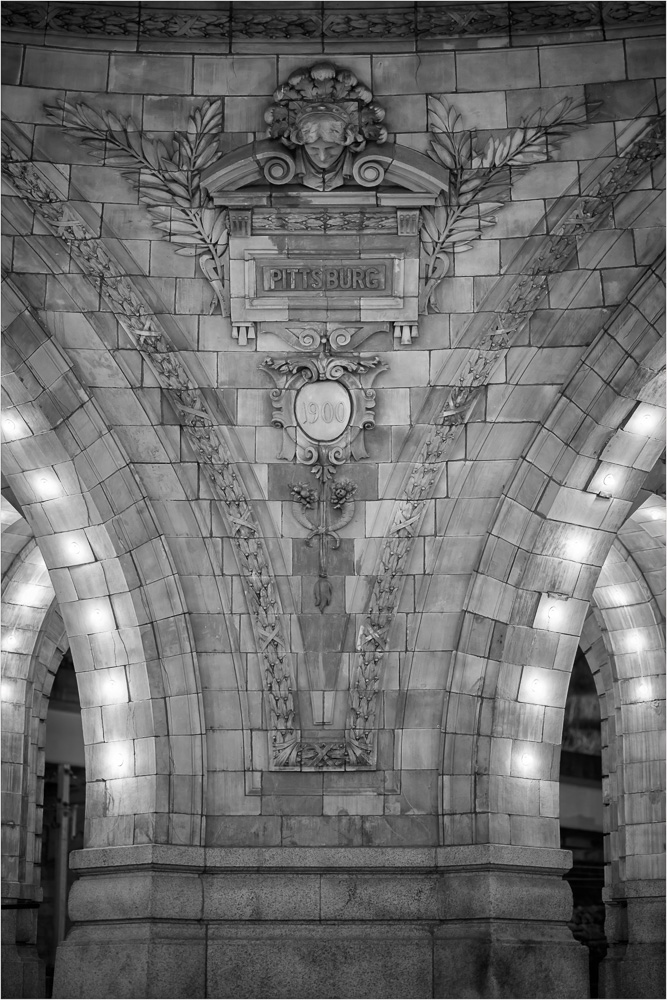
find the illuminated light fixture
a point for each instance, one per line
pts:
(606, 481)
(526, 760)
(11, 640)
(559, 613)
(98, 616)
(75, 547)
(120, 760)
(556, 609)
(643, 419)
(607, 486)
(98, 619)
(48, 486)
(536, 686)
(577, 548)
(644, 690)
(636, 643)
(13, 427)
(30, 595)
(554, 614)
(657, 513)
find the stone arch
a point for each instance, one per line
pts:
(219, 458)
(457, 458)
(124, 613)
(630, 682)
(540, 561)
(624, 640)
(27, 603)
(33, 643)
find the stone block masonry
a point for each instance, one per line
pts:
(239, 629)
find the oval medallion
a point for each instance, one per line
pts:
(323, 410)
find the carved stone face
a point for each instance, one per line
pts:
(324, 138)
(322, 153)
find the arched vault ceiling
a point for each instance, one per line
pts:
(542, 342)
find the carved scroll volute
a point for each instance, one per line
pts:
(278, 166)
(368, 170)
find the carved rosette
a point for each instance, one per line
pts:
(324, 405)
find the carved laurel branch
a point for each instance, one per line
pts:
(143, 329)
(590, 212)
(480, 176)
(169, 182)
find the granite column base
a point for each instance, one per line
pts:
(23, 972)
(635, 929)
(155, 921)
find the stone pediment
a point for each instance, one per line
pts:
(264, 173)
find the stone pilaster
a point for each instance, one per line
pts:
(22, 969)
(328, 922)
(635, 929)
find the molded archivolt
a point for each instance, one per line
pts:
(31, 643)
(623, 640)
(218, 454)
(527, 602)
(124, 614)
(493, 390)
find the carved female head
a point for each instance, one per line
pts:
(325, 131)
(325, 105)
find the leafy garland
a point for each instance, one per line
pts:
(480, 177)
(170, 180)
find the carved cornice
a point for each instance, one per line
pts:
(327, 20)
(144, 331)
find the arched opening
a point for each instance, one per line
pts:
(581, 812)
(63, 811)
